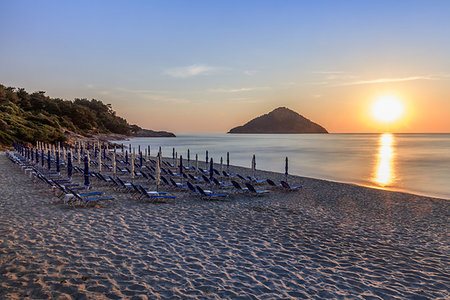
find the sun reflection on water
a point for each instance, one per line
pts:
(384, 170)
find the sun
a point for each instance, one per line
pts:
(387, 109)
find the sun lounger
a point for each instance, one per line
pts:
(238, 187)
(211, 195)
(289, 187)
(252, 189)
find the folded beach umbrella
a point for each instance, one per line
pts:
(86, 170)
(228, 161)
(189, 156)
(221, 165)
(89, 157)
(148, 150)
(211, 169)
(32, 154)
(114, 162)
(129, 147)
(254, 165)
(126, 157)
(196, 164)
(42, 158)
(122, 147)
(173, 155)
(104, 151)
(286, 169)
(160, 151)
(181, 167)
(57, 162)
(176, 160)
(69, 166)
(206, 159)
(158, 171)
(100, 162)
(132, 164)
(146, 156)
(139, 148)
(79, 155)
(37, 156)
(141, 161)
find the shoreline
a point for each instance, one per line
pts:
(326, 240)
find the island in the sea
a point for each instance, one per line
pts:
(280, 120)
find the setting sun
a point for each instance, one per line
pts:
(387, 109)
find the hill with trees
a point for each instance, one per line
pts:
(31, 117)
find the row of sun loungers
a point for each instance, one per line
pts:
(197, 184)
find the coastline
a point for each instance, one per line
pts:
(330, 239)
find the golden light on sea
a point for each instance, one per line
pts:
(384, 168)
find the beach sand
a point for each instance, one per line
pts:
(328, 240)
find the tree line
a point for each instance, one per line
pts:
(31, 117)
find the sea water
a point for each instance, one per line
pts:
(415, 163)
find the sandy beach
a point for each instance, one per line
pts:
(327, 240)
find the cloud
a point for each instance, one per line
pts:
(388, 80)
(238, 90)
(190, 71)
(249, 72)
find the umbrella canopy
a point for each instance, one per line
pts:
(196, 164)
(114, 162)
(49, 162)
(181, 167)
(228, 160)
(132, 164)
(176, 159)
(79, 155)
(57, 162)
(86, 170)
(254, 165)
(286, 168)
(100, 162)
(69, 166)
(181, 164)
(211, 169)
(158, 171)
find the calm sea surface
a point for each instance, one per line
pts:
(417, 163)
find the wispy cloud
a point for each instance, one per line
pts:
(152, 95)
(190, 71)
(388, 80)
(238, 90)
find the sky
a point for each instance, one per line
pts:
(208, 66)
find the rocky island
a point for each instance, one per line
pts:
(280, 120)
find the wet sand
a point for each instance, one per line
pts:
(328, 240)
